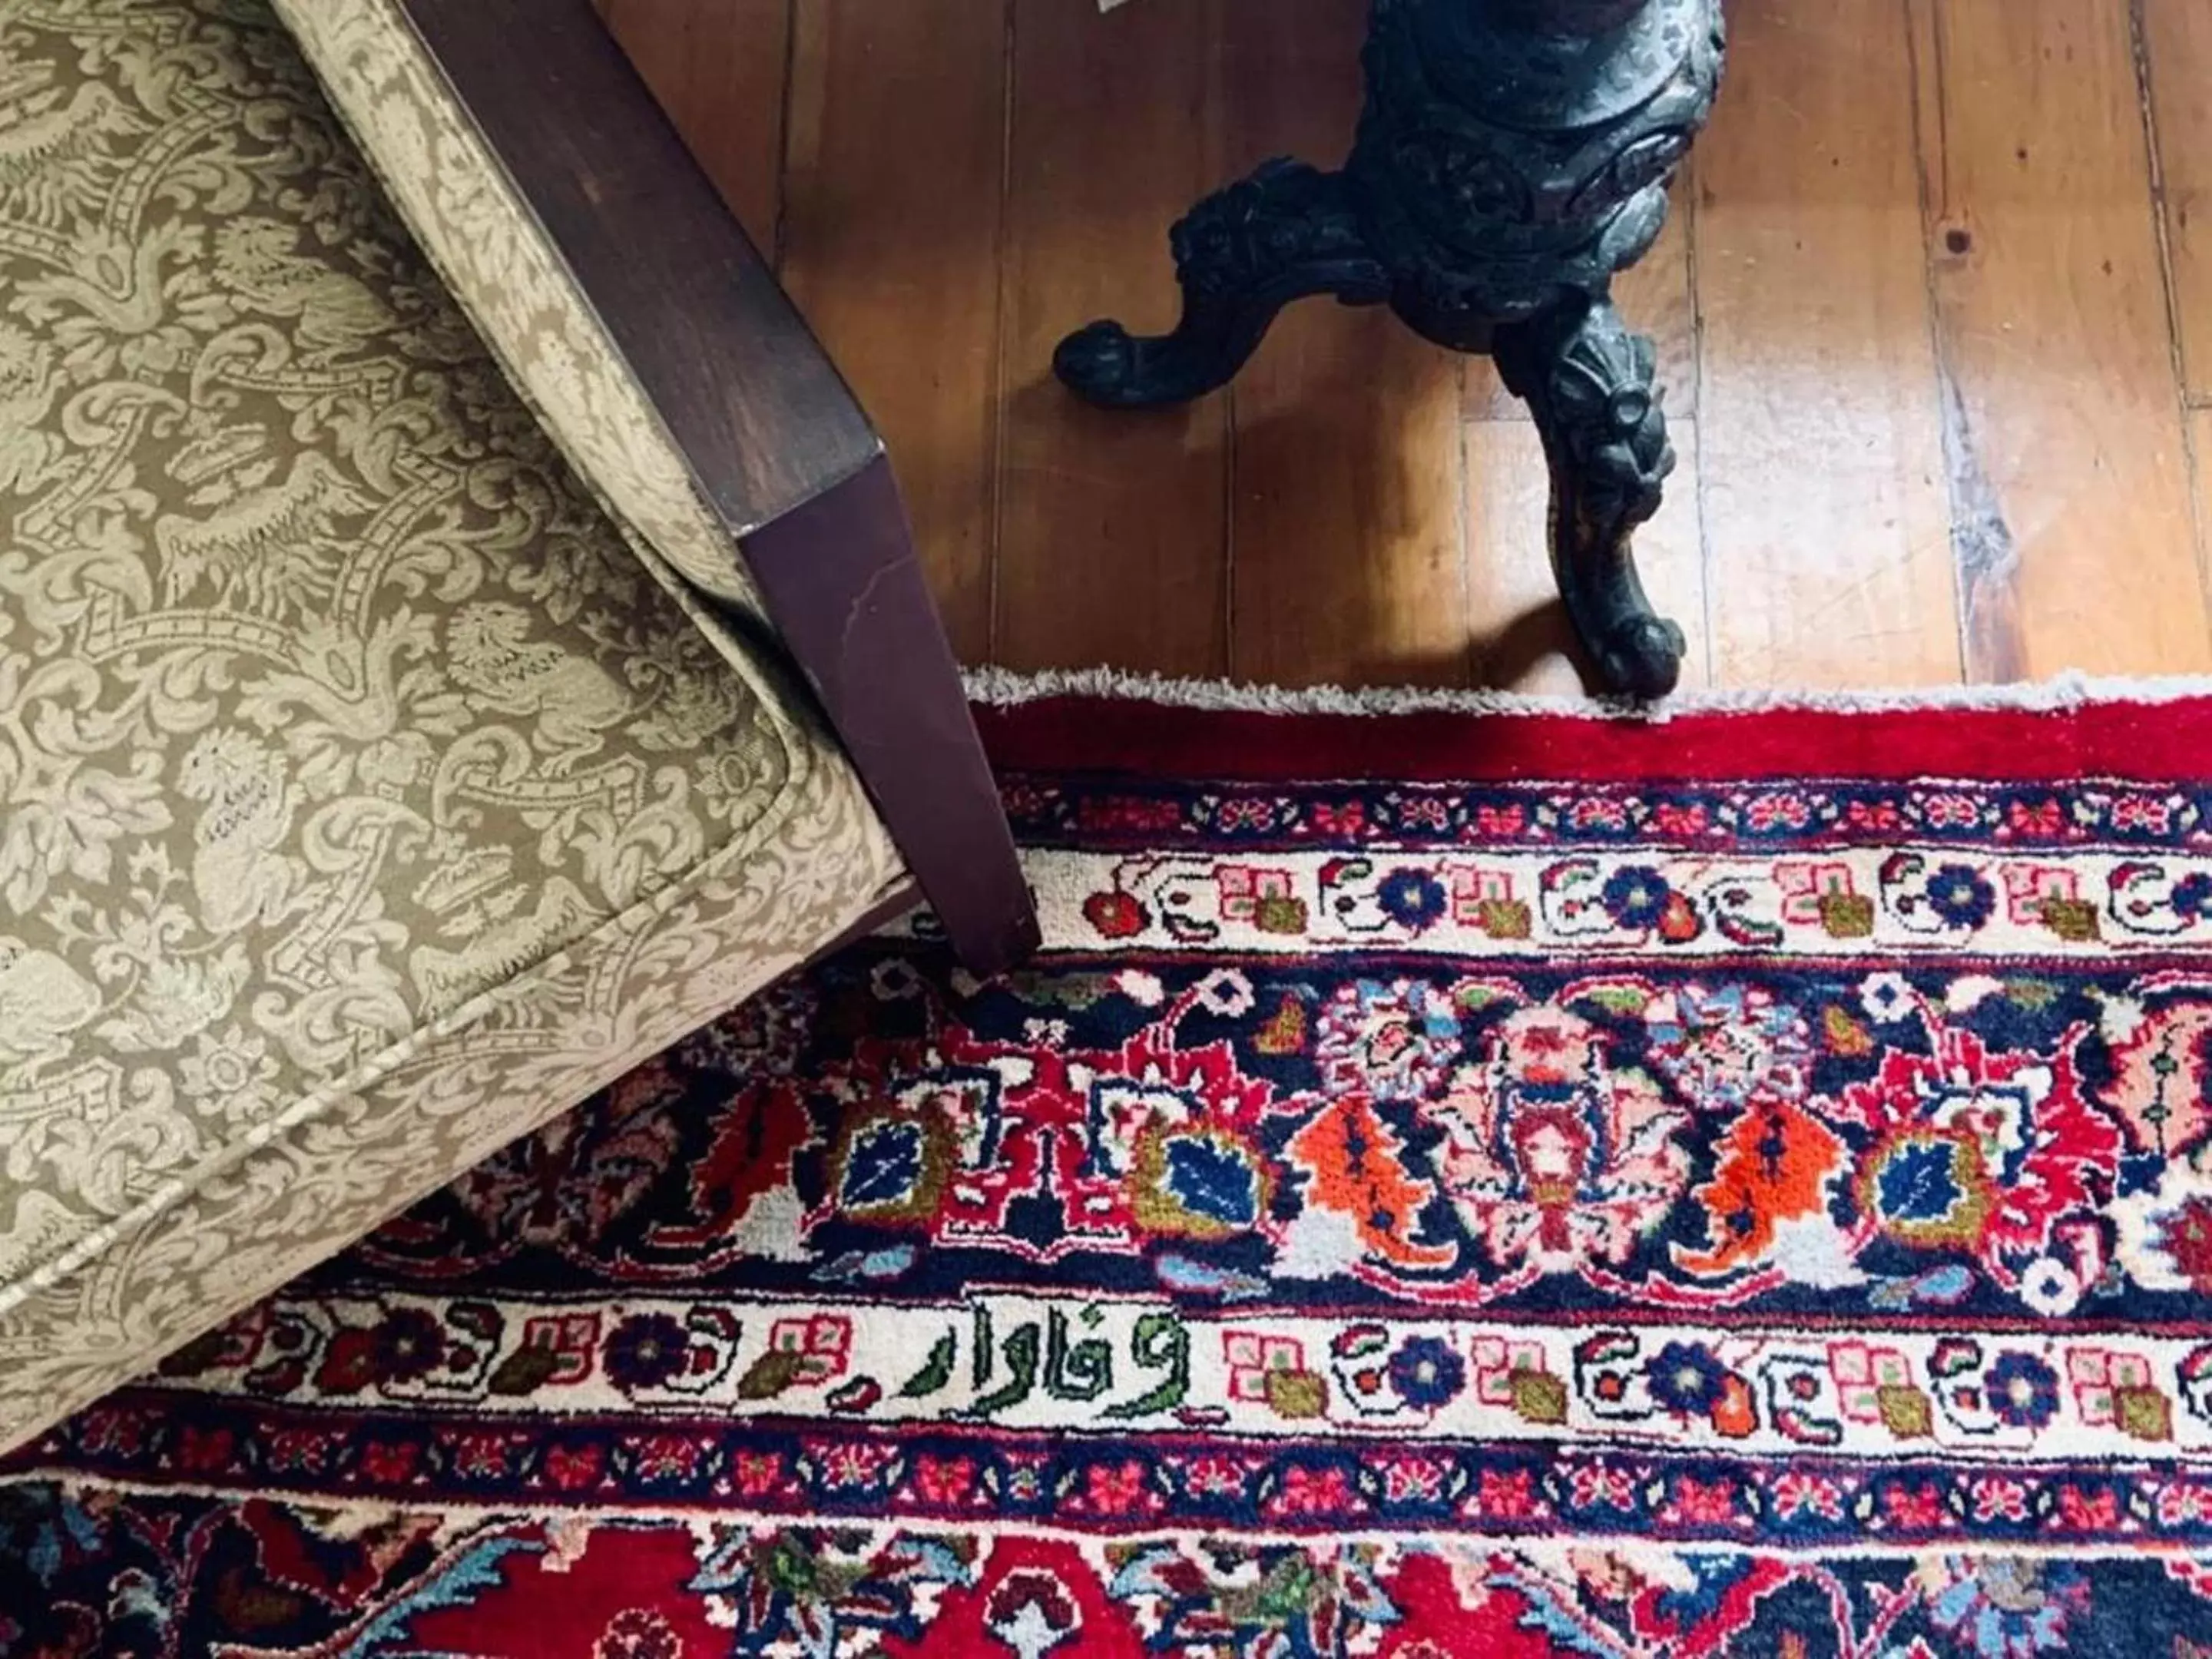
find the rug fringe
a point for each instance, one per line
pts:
(1006, 687)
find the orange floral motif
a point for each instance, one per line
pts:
(1355, 1167)
(1776, 1164)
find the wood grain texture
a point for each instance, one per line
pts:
(1824, 516)
(1113, 529)
(2177, 38)
(1797, 302)
(1344, 511)
(2200, 422)
(902, 282)
(2074, 529)
(718, 68)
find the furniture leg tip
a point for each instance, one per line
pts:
(1099, 363)
(1641, 657)
(1002, 950)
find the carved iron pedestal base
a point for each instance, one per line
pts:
(1513, 156)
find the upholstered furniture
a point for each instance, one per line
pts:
(405, 640)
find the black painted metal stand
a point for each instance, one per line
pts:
(1513, 156)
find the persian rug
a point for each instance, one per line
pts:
(1454, 1185)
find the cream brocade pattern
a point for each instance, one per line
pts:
(486, 243)
(364, 800)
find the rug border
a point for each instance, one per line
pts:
(457, 1514)
(2071, 729)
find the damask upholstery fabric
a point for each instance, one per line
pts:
(485, 241)
(365, 801)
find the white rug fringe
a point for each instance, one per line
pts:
(1006, 687)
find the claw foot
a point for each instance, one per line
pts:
(1099, 363)
(1591, 383)
(1643, 657)
(1242, 255)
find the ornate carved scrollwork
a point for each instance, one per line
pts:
(1242, 255)
(1513, 156)
(1590, 383)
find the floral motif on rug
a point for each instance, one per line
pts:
(1452, 1186)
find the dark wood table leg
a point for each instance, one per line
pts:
(1514, 155)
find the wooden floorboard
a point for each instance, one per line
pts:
(903, 284)
(2201, 443)
(1934, 310)
(1113, 530)
(1345, 520)
(2177, 39)
(2064, 435)
(718, 67)
(1826, 524)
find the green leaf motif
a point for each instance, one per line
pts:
(771, 1374)
(1617, 999)
(935, 1373)
(2031, 994)
(525, 1370)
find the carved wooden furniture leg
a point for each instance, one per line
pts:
(1590, 384)
(1513, 156)
(1285, 233)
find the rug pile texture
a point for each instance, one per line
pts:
(1454, 1185)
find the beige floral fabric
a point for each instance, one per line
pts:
(485, 241)
(364, 802)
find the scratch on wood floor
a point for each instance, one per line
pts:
(1982, 549)
(2169, 216)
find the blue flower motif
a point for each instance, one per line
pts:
(1636, 896)
(647, 1350)
(1213, 1179)
(1426, 1373)
(409, 1345)
(2192, 896)
(2009, 1608)
(1413, 898)
(2023, 1391)
(1957, 893)
(1686, 1377)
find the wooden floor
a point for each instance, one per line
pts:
(1934, 309)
